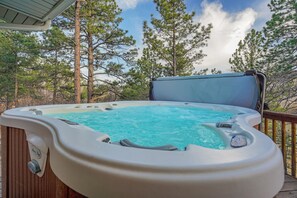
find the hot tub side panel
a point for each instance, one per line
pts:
(17, 180)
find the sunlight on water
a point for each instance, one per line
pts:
(155, 125)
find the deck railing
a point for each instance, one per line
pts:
(281, 127)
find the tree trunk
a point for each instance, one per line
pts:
(16, 90)
(7, 100)
(77, 53)
(90, 68)
(55, 79)
(55, 92)
(174, 53)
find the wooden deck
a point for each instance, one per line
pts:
(289, 189)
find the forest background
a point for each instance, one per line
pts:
(87, 56)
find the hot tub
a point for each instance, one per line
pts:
(92, 164)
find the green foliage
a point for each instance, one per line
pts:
(148, 66)
(173, 44)
(174, 40)
(274, 52)
(136, 86)
(18, 53)
(249, 53)
(58, 77)
(100, 21)
(206, 71)
(32, 68)
(109, 46)
(107, 49)
(6, 70)
(281, 33)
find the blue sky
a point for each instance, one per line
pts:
(231, 19)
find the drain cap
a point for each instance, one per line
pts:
(34, 166)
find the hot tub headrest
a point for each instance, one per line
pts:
(238, 89)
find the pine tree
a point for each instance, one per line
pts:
(148, 65)
(138, 78)
(18, 54)
(174, 39)
(6, 72)
(77, 88)
(58, 75)
(106, 48)
(281, 33)
(273, 51)
(249, 54)
(105, 41)
(70, 22)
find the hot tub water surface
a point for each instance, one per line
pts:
(155, 125)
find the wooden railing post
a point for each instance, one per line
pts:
(284, 148)
(294, 149)
(285, 119)
(266, 126)
(274, 130)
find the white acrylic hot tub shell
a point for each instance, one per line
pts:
(94, 168)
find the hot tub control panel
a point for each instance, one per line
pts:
(38, 154)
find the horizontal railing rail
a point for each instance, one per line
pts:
(281, 127)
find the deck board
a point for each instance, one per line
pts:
(289, 189)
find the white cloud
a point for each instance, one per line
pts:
(128, 4)
(228, 30)
(263, 12)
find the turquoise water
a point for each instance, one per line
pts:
(155, 125)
